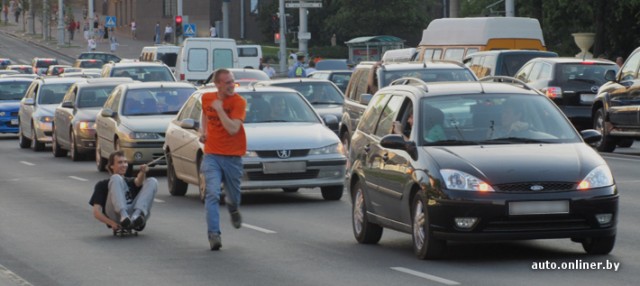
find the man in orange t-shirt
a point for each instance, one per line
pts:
(225, 143)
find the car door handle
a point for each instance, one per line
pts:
(367, 148)
(385, 157)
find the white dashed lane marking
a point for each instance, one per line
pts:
(426, 276)
(264, 230)
(78, 178)
(158, 200)
(27, 163)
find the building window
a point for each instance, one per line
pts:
(169, 8)
(255, 5)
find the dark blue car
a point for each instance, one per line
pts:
(11, 92)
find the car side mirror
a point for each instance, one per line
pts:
(610, 75)
(331, 121)
(365, 98)
(29, 101)
(67, 104)
(395, 141)
(106, 112)
(591, 136)
(189, 124)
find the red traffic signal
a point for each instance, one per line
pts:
(178, 19)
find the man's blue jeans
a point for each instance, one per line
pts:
(218, 169)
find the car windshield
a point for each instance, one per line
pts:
(277, 107)
(316, 92)
(154, 101)
(492, 119)
(53, 93)
(145, 73)
(427, 75)
(580, 72)
(94, 96)
(91, 64)
(11, 90)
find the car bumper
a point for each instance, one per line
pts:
(43, 131)
(85, 140)
(143, 152)
(9, 125)
(580, 116)
(316, 174)
(494, 222)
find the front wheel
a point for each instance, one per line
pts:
(332, 193)
(23, 141)
(364, 231)
(599, 245)
(73, 149)
(177, 187)
(424, 245)
(55, 147)
(35, 144)
(101, 163)
(607, 143)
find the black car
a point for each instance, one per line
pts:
(571, 83)
(104, 57)
(616, 109)
(339, 77)
(481, 161)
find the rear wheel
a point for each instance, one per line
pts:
(55, 147)
(101, 163)
(332, 193)
(345, 143)
(424, 245)
(35, 144)
(73, 149)
(607, 143)
(599, 245)
(177, 187)
(625, 143)
(23, 140)
(364, 231)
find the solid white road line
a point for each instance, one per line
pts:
(264, 230)
(78, 178)
(426, 276)
(27, 163)
(7, 274)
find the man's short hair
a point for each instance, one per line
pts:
(112, 159)
(219, 72)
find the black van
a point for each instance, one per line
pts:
(502, 62)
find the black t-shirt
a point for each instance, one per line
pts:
(101, 190)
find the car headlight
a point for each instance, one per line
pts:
(331, 149)
(599, 177)
(251, 154)
(46, 119)
(87, 125)
(458, 180)
(2, 113)
(142, 135)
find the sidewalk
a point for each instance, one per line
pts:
(128, 48)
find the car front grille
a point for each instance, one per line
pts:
(274, 153)
(535, 187)
(549, 224)
(260, 176)
(14, 114)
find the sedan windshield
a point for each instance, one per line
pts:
(154, 101)
(492, 119)
(94, 96)
(13, 90)
(53, 93)
(278, 107)
(317, 92)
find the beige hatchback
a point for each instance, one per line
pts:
(134, 119)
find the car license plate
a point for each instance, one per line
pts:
(14, 121)
(284, 167)
(587, 97)
(538, 207)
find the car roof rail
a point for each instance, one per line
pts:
(410, 81)
(506, 79)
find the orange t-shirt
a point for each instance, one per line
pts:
(219, 141)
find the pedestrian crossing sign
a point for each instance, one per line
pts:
(110, 22)
(189, 30)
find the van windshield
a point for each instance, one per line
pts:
(168, 59)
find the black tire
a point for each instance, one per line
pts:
(625, 143)
(177, 187)
(599, 245)
(424, 245)
(290, 190)
(346, 142)
(55, 147)
(35, 144)
(101, 163)
(364, 231)
(332, 193)
(73, 149)
(607, 143)
(23, 141)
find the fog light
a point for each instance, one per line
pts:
(465, 222)
(604, 218)
(137, 156)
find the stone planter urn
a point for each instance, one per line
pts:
(584, 41)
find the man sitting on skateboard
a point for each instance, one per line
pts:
(123, 202)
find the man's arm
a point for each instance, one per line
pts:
(142, 175)
(231, 125)
(203, 127)
(99, 215)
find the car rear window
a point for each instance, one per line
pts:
(168, 59)
(580, 72)
(428, 75)
(45, 63)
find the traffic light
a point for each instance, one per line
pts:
(276, 38)
(178, 26)
(275, 23)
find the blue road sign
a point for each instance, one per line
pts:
(110, 22)
(189, 30)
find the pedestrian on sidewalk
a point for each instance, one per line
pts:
(85, 30)
(91, 44)
(156, 37)
(106, 33)
(134, 27)
(5, 11)
(212, 31)
(71, 28)
(269, 70)
(114, 44)
(18, 11)
(168, 30)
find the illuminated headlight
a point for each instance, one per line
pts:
(458, 180)
(331, 149)
(46, 119)
(597, 178)
(2, 113)
(84, 125)
(143, 135)
(251, 154)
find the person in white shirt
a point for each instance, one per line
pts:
(133, 28)
(311, 68)
(91, 44)
(269, 70)
(168, 30)
(212, 31)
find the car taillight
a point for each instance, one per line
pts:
(553, 92)
(588, 63)
(181, 76)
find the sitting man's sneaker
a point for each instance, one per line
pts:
(125, 222)
(215, 241)
(236, 219)
(139, 222)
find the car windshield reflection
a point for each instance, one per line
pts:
(154, 101)
(277, 107)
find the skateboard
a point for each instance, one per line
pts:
(123, 232)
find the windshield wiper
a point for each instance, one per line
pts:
(324, 102)
(509, 140)
(452, 142)
(584, 80)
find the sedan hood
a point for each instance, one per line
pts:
(273, 136)
(9, 105)
(149, 123)
(501, 164)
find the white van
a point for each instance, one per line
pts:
(165, 53)
(249, 56)
(199, 57)
(399, 55)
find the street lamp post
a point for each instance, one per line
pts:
(60, 22)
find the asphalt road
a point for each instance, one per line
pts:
(21, 52)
